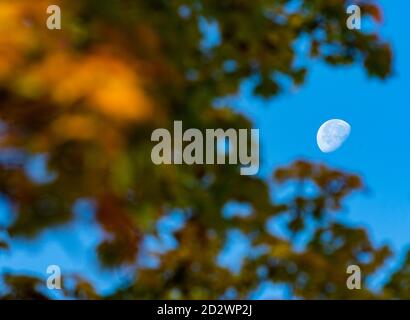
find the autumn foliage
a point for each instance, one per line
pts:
(88, 97)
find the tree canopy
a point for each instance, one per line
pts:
(88, 97)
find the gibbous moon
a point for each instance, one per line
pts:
(332, 134)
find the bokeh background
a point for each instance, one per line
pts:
(78, 190)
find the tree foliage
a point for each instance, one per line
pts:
(88, 97)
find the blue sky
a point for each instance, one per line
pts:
(378, 149)
(379, 146)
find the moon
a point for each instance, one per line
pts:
(332, 134)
